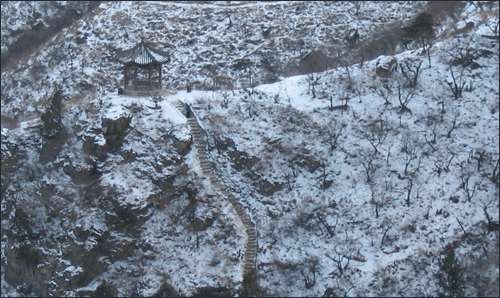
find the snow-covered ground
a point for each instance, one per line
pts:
(359, 201)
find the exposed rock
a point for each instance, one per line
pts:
(52, 146)
(266, 188)
(182, 147)
(52, 117)
(127, 218)
(94, 148)
(22, 273)
(200, 225)
(114, 131)
(81, 173)
(224, 144)
(241, 160)
(314, 62)
(386, 66)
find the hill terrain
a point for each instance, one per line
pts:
(363, 148)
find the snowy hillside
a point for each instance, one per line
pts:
(369, 165)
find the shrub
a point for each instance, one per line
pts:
(422, 26)
(29, 255)
(250, 285)
(166, 290)
(213, 292)
(450, 276)
(104, 290)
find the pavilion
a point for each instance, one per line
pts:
(139, 59)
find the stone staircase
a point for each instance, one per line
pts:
(200, 141)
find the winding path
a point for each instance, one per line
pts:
(200, 141)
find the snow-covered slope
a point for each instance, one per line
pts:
(357, 182)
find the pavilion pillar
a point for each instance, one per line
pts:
(159, 70)
(135, 78)
(126, 77)
(149, 78)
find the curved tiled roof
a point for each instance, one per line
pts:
(142, 54)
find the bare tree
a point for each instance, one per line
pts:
(454, 125)
(313, 268)
(379, 198)
(411, 148)
(457, 84)
(465, 175)
(334, 131)
(339, 260)
(370, 166)
(324, 182)
(432, 124)
(404, 100)
(376, 133)
(494, 174)
(440, 101)
(410, 178)
(411, 73)
(492, 225)
(385, 92)
(494, 26)
(345, 98)
(329, 228)
(312, 81)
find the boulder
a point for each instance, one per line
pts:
(114, 131)
(385, 66)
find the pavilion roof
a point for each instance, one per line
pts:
(142, 55)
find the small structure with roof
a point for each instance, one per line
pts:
(140, 58)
